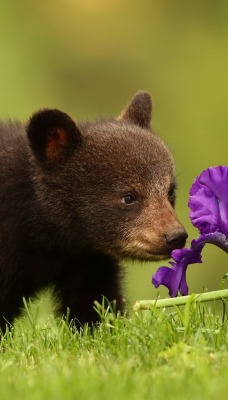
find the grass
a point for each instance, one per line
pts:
(179, 353)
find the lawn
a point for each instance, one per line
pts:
(175, 353)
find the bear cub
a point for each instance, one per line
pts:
(75, 199)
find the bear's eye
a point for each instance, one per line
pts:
(128, 199)
(172, 195)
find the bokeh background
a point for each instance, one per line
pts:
(88, 57)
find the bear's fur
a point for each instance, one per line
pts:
(75, 199)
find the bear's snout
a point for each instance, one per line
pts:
(176, 238)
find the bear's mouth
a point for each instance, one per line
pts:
(141, 253)
(158, 256)
(147, 255)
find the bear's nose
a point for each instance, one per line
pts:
(176, 239)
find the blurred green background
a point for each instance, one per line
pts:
(88, 57)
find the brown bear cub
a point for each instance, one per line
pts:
(75, 199)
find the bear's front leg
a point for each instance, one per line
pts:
(90, 278)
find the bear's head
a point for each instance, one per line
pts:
(107, 185)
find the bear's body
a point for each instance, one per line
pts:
(76, 199)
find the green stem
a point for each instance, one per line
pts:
(179, 301)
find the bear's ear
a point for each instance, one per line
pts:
(53, 135)
(139, 110)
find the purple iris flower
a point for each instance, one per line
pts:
(208, 203)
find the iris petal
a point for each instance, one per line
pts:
(169, 277)
(209, 213)
(183, 289)
(175, 278)
(209, 201)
